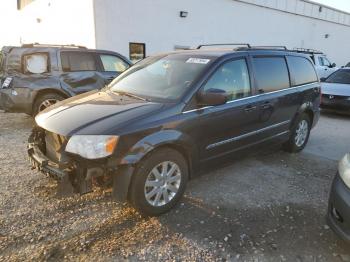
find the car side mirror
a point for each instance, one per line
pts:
(212, 97)
(333, 65)
(323, 79)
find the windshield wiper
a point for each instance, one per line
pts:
(130, 95)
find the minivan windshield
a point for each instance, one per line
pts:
(341, 76)
(161, 77)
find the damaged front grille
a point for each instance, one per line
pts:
(54, 145)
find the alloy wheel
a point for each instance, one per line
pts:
(301, 133)
(46, 103)
(162, 183)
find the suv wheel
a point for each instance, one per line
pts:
(299, 134)
(159, 182)
(44, 101)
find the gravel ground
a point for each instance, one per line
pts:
(266, 207)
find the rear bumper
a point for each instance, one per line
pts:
(316, 118)
(17, 100)
(338, 216)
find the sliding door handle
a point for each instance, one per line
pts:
(250, 108)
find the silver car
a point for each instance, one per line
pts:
(336, 91)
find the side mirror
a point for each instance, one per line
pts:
(212, 97)
(323, 79)
(333, 65)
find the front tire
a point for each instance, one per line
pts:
(159, 182)
(299, 136)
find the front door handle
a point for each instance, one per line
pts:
(250, 108)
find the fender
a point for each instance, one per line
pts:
(172, 138)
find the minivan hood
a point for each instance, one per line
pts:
(94, 113)
(336, 89)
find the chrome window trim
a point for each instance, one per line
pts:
(249, 97)
(246, 135)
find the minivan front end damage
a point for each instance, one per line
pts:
(74, 174)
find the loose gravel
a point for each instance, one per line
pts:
(268, 206)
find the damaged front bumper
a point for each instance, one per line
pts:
(77, 175)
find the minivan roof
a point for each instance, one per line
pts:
(218, 52)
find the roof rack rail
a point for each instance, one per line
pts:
(234, 44)
(307, 50)
(279, 47)
(52, 45)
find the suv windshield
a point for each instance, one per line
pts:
(339, 77)
(166, 77)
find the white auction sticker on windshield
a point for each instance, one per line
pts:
(198, 61)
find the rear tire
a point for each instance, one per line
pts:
(299, 134)
(159, 182)
(44, 101)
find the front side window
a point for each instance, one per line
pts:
(340, 77)
(35, 63)
(271, 73)
(233, 78)
(113, 63)
(163, 77)
(301, 70)
(78, 61)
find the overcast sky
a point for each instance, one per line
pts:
(339, 4)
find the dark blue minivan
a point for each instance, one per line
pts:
(155, 124)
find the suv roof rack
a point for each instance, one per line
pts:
(307, 50)
(52, 45)
(278, 47)
(234, 44)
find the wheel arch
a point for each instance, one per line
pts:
(45, 91)
(305, 108)
(172, 139)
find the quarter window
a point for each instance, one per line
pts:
(113, 63)
(78, 61)
(233, 78)
(35, 63)
(271, 73)
(301, 70)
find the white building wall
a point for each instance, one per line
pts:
(51, 22)
(8, 26)
(157, 24)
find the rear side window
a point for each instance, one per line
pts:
(301, 70)
(271, 73)
(36, 63)
(113, 63)
(78, 61)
